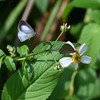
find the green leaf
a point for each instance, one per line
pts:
(86, 3)
(23, 50)
(42, 5)
(1, 53)
(91, 36)
(94, 15)
(44, 78)
(96, 92)
(62, 85)
(27, 70)
(84, 84)
(1, 58)
(98, 61)
(10, 63)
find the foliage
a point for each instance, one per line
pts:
(31, 70)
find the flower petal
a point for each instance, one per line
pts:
(86, 59)
(65, 61)
(75, 65)
(68, 42)
(83, 49)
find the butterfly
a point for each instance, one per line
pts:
(25, 31)
(66, 49)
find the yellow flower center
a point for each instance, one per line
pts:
(76, 57)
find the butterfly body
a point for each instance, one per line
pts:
(25, 31)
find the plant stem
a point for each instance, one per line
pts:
(59, 36)
(72, 83)
(29, 55)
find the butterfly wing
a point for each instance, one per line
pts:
(66, 49)
(22, 36)
(24, 26)
(25, 31)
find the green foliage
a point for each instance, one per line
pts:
(1, 59)
(93, 15)
(1, 53)
(86, 3)
(85, 84)
(62, 85)
(43, 80)
(91, 36)
(37, 74)
(10, 63)
(23, 50)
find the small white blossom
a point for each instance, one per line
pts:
(64, 27)
(76, 57)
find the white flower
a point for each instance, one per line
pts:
(64, 27)
(76, 57)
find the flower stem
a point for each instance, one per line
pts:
(59, 36)
(71, 92)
